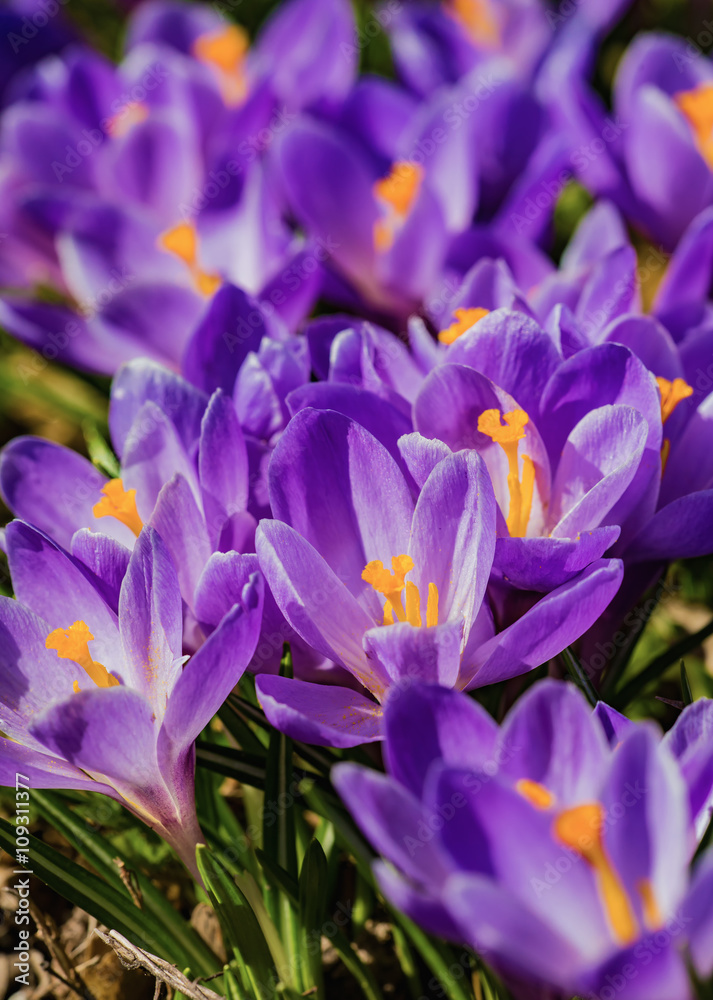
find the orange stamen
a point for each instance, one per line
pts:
(535, 793)
(225, 52)
(396, 193)
(182, 241)
(73, 644)
(119, 503)
(672, 393)
(464, 320)
(508, 436)
(581, 829)
(392, 584)
(478, 20)
(697, 106)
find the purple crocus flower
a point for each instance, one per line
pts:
(32, 30)
(346, 535)
(188, 471)
(435, 44)
(184, 471)
(689, 741)
(98, 696)
(146, 196)
(595, 900)
(566, 477)
(653, 156)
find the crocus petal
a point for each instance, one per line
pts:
(54, 489)
(690, 463)
(680, 530)
(153, 455)
(140, 381)
(648, 839)
(384, 421)
(61, 591)
(107, 558)
(541, 564)
(685, 284)
(31, 676)
(550, 626)
(660, 971)
(422, 455)
(39, 769)
(420, 906)
(697, 909)
(513, 352)
(182, 526)
(150, 619)
(470, 393)
(315, 601)
(551, 737)
(484, 836)
(599, 461)
(328, 716)
(650, 342)
(689, 740)
(290, 38)
(505, 932)
(222, 464)
(600, 231)
(392, 819)
(329, 187)
(212, 673)
(349, 526)
(233, 325)
(614, 724)
(431, 655)
(607, 373)
(424, 723)
(453, 537)
(109, 732)
(610, 292)
(658, 134)
(221, 584)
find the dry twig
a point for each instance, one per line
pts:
(136, 958)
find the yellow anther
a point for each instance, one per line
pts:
(697, 106)
(379, 577)
(432, 606)
(119, 503)
(478, 19)
(535, 793)
(182, 241)
(396, 193)
(464, 320)
(672, 393)
(581, 829)
(392, 584)
(73, 644)
(652, 914)
(413, 605)
(401, 186)
(521, 491)
(665, 452)
(512, 431)
(225, 51)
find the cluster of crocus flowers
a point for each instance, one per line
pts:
(478, 467)
(561, 858)
(99, 695)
